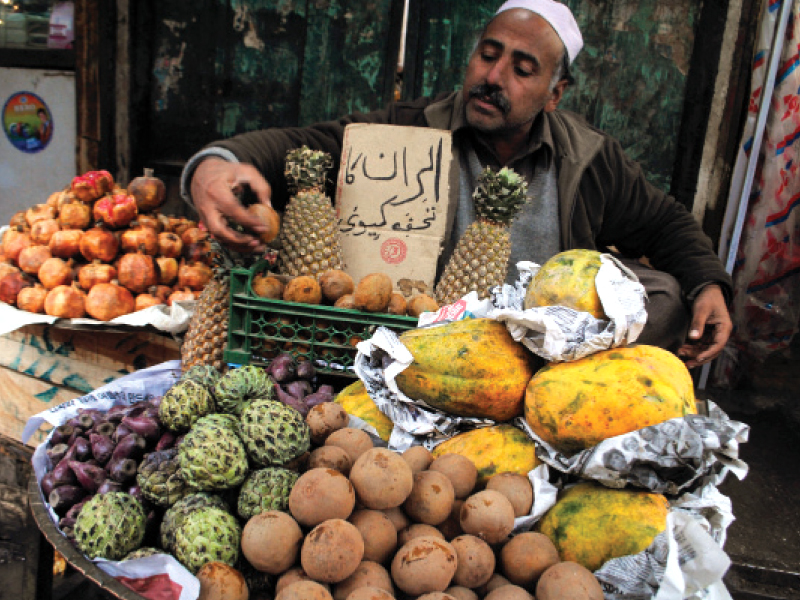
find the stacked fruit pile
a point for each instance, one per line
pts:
(102, 250)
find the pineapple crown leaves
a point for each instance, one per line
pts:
(306, 169)
(499, 195)
(224, 258)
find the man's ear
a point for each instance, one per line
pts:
(555, 96)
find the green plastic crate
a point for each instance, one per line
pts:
(260, 328)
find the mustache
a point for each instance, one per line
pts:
(492, 94)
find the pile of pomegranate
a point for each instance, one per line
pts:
(100, 250)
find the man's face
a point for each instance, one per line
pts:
(508, 77)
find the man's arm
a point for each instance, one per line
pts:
(710, 328)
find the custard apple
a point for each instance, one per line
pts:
(266, 489)
(173, 517)
(273, 433)
(183, 403)
(110, 526)
(238, 387)
(159, 477)
(212, 456)
(143, 552)
(205, 375)
(207, 535)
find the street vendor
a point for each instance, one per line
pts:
(583, 190)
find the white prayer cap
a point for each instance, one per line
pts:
(559, 17)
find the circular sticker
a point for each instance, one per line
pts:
(393, 251)
(28, 122)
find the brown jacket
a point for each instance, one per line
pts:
(604, 198)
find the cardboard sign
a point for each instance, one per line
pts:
(391, 201)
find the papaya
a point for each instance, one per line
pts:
(497, 449)
(567, 279)
(590, 524)
(355, 400)
(468, 368)
(575, 405)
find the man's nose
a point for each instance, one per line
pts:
(495, 74)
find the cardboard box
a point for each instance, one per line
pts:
(391, 201)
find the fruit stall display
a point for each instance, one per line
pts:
(271, 480)
(100, 250)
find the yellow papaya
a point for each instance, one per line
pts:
(567, 279)
(468, 368)
(355, 400)
(497, 449)
(575, 405)
(590, 524)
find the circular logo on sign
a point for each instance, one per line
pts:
(28, 122)
(393, 251)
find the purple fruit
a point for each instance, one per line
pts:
(68, 522)
(63, 474)
(167, 440)
(56, 453)
(131, 446)
(117, 412)
(318, 397)
(102, 447)
(282, 368)
(123, 470)
(299, 388)
(136, 492)
(147, 427)
(106, 428)
(90, 477)
(64, 497)
(83, 449)
(290, 400)
(83, 422)
(306, 370)
(120, 432)
(62, 434)
(75, 509)
(109, 485)
(48, 483)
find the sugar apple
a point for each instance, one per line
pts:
(238, 387)
(266, 489)
(159, 477)
(273, 433)
(207, 535)
(110, 526)
(183, 403)
(143, 552)
(205, 375)
(212, 456)
(174, 515)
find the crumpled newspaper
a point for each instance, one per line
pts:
(559, 333)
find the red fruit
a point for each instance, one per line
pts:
(99, 243)
(148, 190)
(14, 241)
(141, 238)
(167, 270)
(96, 272)
(39, 212)
(65, 301)
(170, 244)
(56, 271)
(31, 299)
(75, 214)
(194, 275)
(115, 210)
(32, 258)
(92, 185)
(66, 243)
(137, 272)
(106, 301)
(42, 230)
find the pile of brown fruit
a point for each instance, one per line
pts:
(373, 293)
(366, 523)
(98, 249)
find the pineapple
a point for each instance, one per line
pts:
(207, 335)
(480, 260)
(309, 237)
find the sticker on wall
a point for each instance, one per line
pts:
(28, 122)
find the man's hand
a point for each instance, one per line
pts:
(710, 328)
(214, 186)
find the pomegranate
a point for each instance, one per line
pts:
(268, 217)
(56, 271)
(43, 230)
(55, 199)
(146, 300)
(141, 238)
(11, 284)
(99, 243)
(149, 220)
(32, 258)
(107, 301)
(65, 301)
(37, 212)
(7, 267)
(194, 275)
(14, 241)
(75, 215)
(180, 224)
(162, 292)
(92, 185)
(66, 243)
(32, 298)
(95, 272)
(18, 220)
(182, 295)
(137, 272)
(201, 251)
(193, 234)
(149, 191)
(169, 244)
(115, 210)
(167, 270)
